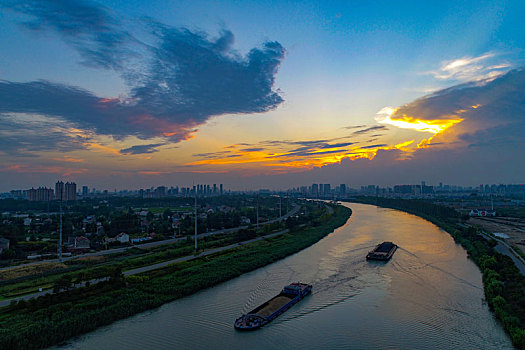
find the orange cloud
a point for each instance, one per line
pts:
(102, 148)
(69, 159)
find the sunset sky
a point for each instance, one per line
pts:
(254, 94)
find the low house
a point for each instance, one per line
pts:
(482, 212)
(122, 237)
(4, 244)
(81, 243)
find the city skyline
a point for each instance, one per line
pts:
(261, 96)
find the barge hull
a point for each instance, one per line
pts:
(274, 307)
(382, 252)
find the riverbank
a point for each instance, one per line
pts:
(52, 319)
(503, 284)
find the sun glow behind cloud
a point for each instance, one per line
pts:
(436, 126)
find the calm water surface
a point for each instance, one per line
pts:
(428, 296)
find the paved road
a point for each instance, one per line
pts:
(294, 211)
(504, 248)
(148, 268)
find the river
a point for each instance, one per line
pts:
(429, 295)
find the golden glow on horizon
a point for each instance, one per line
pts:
(432, 126)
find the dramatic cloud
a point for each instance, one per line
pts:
(486, 143)
(26, 136)
(89, 28)
(489, 109)
(485, 139)
(193, 77)
(183, 79)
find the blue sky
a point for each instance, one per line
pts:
(343, 62)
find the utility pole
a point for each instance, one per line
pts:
(60, 235)
(195, 221)
(280, 212)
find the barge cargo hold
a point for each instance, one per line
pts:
(383, 251)
(265, 313)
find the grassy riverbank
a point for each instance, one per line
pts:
(503, 283)
(55, 318)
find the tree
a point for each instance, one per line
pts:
(167, 213)
(8, 254)
(64, 282)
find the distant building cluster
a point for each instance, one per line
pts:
(63, 191)
(421, 190)
(68, 192)
(319, 190)
(200, 190)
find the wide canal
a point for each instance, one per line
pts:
(428, 296)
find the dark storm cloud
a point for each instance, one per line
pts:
(141, 149)
(195, 77)
(183, 79)
(82, 109)
(89, 28)
(499, 99)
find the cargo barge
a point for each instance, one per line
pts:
(265, 313)
(383, 251)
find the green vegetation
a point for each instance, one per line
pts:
(518, 212)
(32, 227)
(503, 283)
(25, 280)
(51, 319)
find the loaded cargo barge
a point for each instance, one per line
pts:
(265, 313)
(383, 251)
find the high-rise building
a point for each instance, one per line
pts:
(59, 191)
(315, 190)
(220, 188)
(326, 189)
(70, 191)
(40, 194)
(342, 189)
(85, 191)
(214, 188)
(160, 191)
